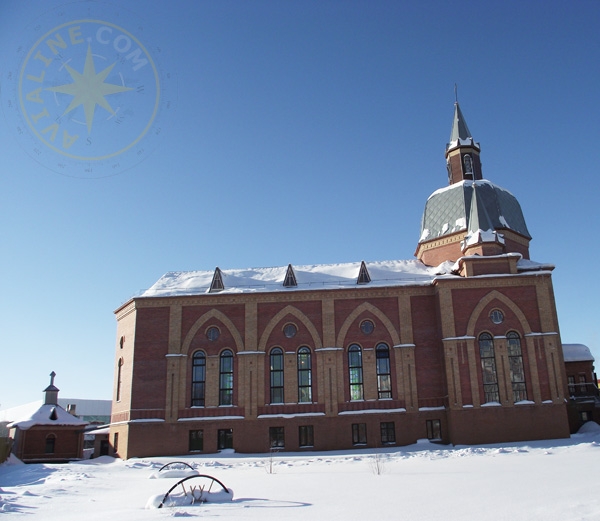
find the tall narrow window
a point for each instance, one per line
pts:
(571, 385)
(276, 375)
(355, 372)
(515, 361)
(119, 371)
(488, 368)
(304, 376)
(50, 443)
(384, 378)
(226, 378)
(198, 379)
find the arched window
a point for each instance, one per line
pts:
(384, 377)
(515, 362)
(226, 378)
(119, 371)
(355, 369)
(50, 443)
(488, 368)
(304, 376)
(198, 379)
(277, 375)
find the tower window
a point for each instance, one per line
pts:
(468, 163)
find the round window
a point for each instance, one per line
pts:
(212, 333)
(496, 316)
(290, 330)
(367, 327)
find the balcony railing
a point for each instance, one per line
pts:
(584, 390)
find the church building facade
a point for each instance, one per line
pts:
(460, 345)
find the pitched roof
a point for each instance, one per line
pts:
(310, 277)
(47, 414)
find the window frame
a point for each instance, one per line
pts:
(355, 373)
(198, 390)
(196, 440)
(434, 426)
(306, 436)
(491, 387)
(384, 371)
(359, 434)
(304, 365)
(50, 445)
(224, 439)
(516, 366)
(226, 378)
(388, 433)
(119, 379)
(276, 376)
(276, 438)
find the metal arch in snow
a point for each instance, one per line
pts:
(181, 481)
(176, 463)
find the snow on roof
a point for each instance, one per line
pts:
(310, 277)
(577, 353)
(83, 408)
(47, 414)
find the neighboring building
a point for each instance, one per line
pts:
(95, 412)
(49, 434)
(461, 345)
(584, 403)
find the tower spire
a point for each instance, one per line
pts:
(462, 152)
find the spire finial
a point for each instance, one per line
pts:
(52, 375)
(455, 93)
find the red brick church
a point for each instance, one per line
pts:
(461, 345)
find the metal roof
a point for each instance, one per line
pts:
(448, 210)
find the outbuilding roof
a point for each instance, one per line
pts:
(577, 353)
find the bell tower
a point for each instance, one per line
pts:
(462, 152)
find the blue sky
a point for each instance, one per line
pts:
(298, 132)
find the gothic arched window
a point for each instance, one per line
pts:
(198, 379)
(276, 371)
(384, 377)
(304, 375)
(226, 378)
(355, 369)
(515, 362)
(488, 368)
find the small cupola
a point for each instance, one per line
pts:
(51, 392)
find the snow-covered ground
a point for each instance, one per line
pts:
(548, 480)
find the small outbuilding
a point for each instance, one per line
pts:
(50, 434)
(584, 396)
